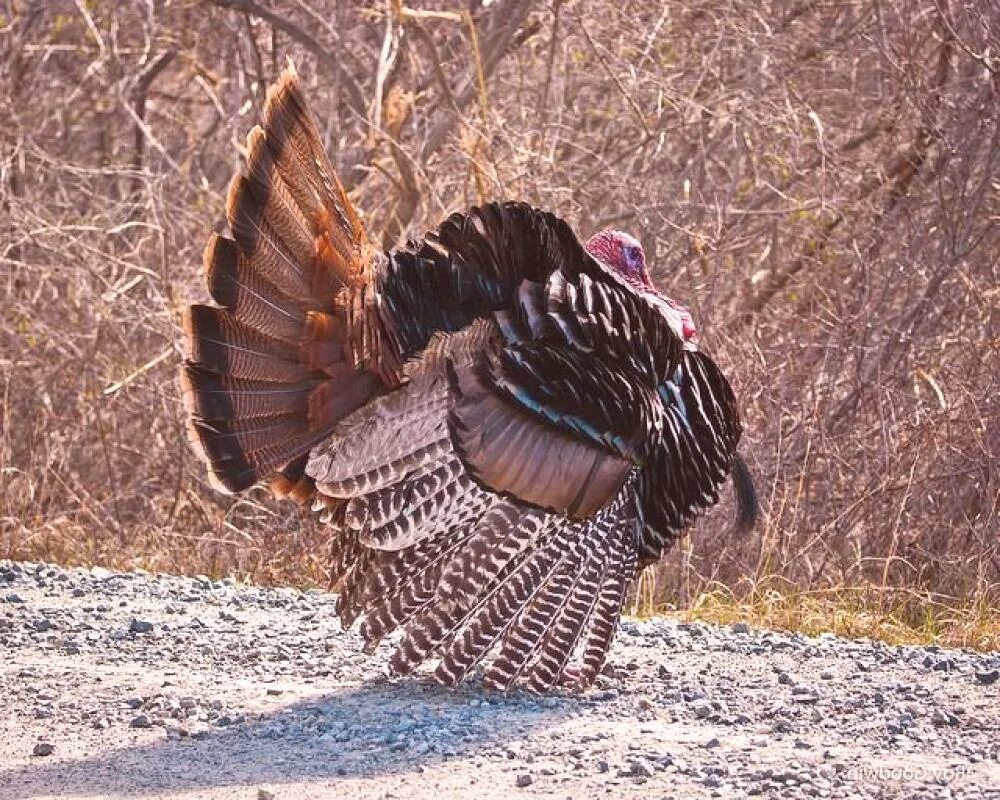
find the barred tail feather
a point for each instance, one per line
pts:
(556, 649)
(522, 640)
(603, 623)
(471, 642)
(412, 588)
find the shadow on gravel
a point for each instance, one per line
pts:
(375, 729)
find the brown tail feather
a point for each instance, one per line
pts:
(294, 144)
(270, 370)
(210, 396)
(222, 343)
(246, 293)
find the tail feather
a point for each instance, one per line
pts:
(247, 294)
(233, 473)
(211, 396)
(295, 145)
(269, 372)
(257, 210)
(292, 141)
(245, 438)
(220, 342)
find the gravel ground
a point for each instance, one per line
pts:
(133, 685)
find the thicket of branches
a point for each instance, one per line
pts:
(817, 180)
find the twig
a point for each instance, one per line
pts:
(140, 93)
(514, 14)
(617, 81)
(484, 108)
(356, 101)
(116, 387)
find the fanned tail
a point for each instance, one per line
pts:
(270, 369)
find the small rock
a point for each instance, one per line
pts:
(100, 573)
(142, 721)
(134, 702)
(740, 627)
(523, 780)
(265, 793)
(140, 626)
(703, 710)
(785, 679)
(198, 731)
(987, 677)
(14, 598)
(641, 768)
(942, 717)
(43, 749)
(804, 694)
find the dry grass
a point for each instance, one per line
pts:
(896, 616)
(818, 181)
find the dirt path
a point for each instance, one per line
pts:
(181, 688)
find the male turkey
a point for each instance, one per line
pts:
(502, 425)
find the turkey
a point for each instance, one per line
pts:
(501, 425)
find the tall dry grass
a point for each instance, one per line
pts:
(818, 181)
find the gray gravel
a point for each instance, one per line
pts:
(134, 685)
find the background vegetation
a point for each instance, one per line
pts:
(818, 181)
